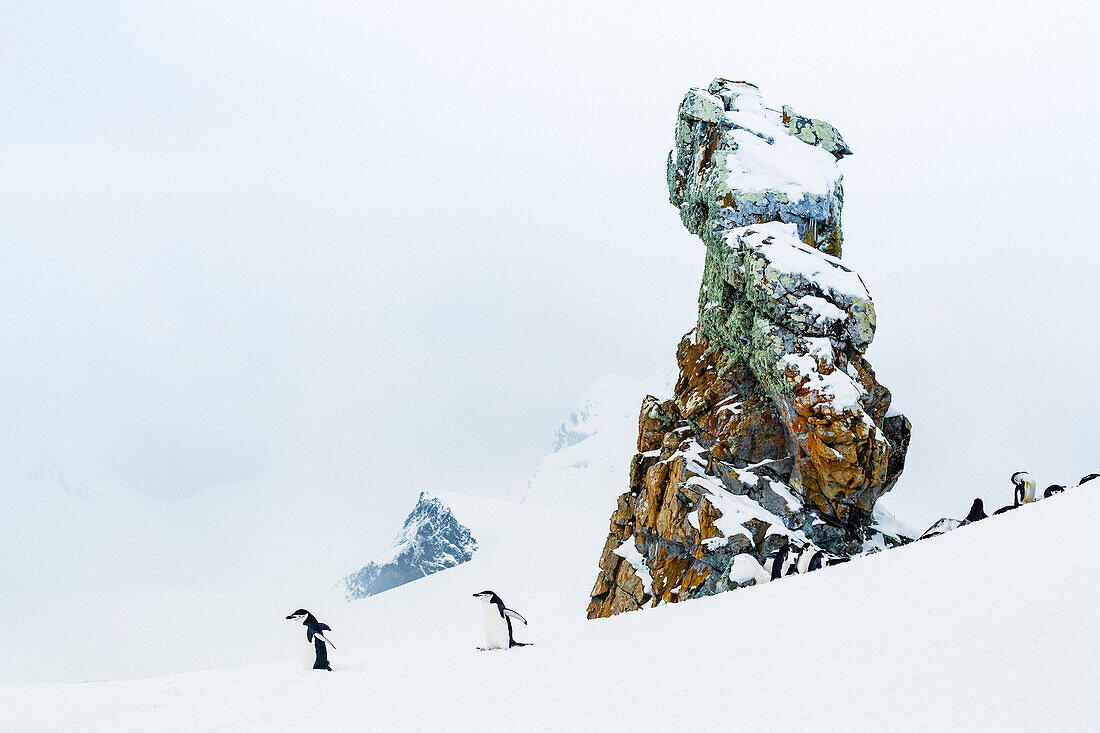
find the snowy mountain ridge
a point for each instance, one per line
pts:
(592, 447)
(607, 402)
(430, 540)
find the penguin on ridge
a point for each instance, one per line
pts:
(1025, 487)
(498, 621)
(1024, 493)
(779, 564)
(1052, 490)
(1090, 477)
(793, 560)
(314, 649)
(977, 511)
(811, 561)
(808, 559)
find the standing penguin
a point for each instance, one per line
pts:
(1023, 493)
(1025, 487)
(498, 621)
(977, 511)
(811, 559)
(784, 562)
(314, 649)
(773, 564)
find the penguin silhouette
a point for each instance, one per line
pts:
(977, 512)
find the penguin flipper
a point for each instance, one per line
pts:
(516, 616)
(322, 637)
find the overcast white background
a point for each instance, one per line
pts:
(387, 247)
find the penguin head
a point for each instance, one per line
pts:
(1052, 490)
(300, 613)
(486, 596)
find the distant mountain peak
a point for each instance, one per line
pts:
(430, 540)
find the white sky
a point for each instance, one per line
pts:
(396, 243)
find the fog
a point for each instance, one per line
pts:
(390, 245)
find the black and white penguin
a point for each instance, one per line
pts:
(498, 621)
(787, 561)
(977, 511)
(1090, 477)
(810, 560)
(1023, 493)
(777, 565)
(1052, 490)
(314, 647)
(1025, 487)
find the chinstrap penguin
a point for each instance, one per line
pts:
(314, 648)
(977, 511)
(498, 621)
(1023, 493)
(1086, 479)
(1052, 490)
(779, 564)
(799, 561)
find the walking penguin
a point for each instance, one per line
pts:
(498, 621)
(314, 648)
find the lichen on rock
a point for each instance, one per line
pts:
(777, 435)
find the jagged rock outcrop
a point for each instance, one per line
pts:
(778, 433)
(430, 540)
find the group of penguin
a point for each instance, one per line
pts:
(1023, 493)
(498, 631)
(793, 560)
(498, 617)
(789, 560)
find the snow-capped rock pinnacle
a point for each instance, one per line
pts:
(778, 433)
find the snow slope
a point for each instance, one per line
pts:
(205, 582)
(188, 584)
(980, 629)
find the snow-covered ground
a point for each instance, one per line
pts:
(111, 583)
(990, 627)
(986, 628)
